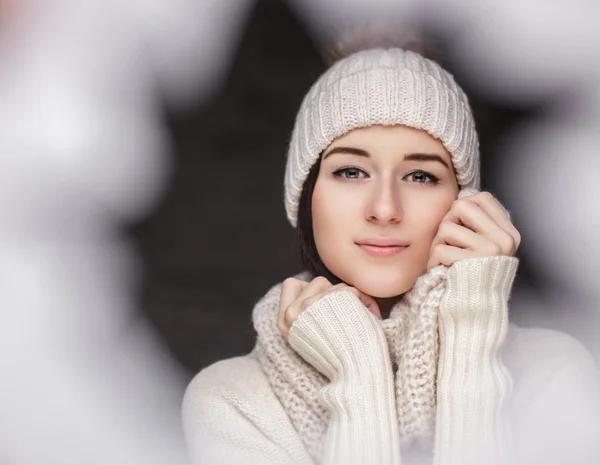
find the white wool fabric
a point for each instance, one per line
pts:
(381, 87)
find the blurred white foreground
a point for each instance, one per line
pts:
(84, 379)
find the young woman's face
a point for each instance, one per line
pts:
(377, 186)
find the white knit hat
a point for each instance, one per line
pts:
(381, 87)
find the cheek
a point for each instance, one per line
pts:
(332, 204)
(429, 218)
(324, 214)
(333, 218)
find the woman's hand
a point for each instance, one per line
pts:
(475, 226)
(297, 295)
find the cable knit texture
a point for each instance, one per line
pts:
(334, 374)
(387, 87)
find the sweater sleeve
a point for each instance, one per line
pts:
(473, 384)
(343, 340)
(231, 416)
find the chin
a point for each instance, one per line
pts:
(382, 283)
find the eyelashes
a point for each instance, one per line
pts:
(416, 176)
(344, 173)
(423, 174)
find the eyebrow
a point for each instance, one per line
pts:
(407, 157)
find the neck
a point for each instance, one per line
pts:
(386, 304)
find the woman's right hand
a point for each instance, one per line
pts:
(298, 295)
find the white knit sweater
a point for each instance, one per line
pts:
(552, 415)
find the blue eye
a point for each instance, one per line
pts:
(422, 177)
(349, 173)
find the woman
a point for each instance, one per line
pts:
(394, 347)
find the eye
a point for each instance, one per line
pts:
(421, 177)
(349, 173)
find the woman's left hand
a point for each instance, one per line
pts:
(475, 226)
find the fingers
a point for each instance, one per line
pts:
(484, 215)
(290, 290)
(297, 296)
(490, 205)
(455, 235)
(475, 226)
(293, 295)
(466, 212)
(450, 233)
(447, 255)
(312, 292)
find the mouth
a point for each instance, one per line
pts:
(382, 247)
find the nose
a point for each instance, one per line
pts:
(384, 206)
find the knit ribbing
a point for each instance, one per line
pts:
(473, 383)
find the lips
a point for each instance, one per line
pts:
(382, 246)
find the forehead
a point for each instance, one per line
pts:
(398, 139)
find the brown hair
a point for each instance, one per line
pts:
(304, 229)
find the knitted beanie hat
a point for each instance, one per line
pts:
(381, 87)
